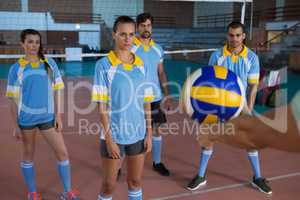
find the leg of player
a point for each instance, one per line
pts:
(135, 165)
(56, 142)
(158, 118)
(27, 165)
(110, 169)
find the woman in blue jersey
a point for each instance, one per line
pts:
(124, 108)
(34, 85)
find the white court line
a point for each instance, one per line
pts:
(225, 187)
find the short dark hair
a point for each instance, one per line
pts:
(236, 24)
(141, 18)
(122, 20)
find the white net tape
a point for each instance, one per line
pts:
(84, 55)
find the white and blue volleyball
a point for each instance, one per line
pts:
(213, 94)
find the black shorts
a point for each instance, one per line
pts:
(128, 149)
(157, 114)
(42, 126)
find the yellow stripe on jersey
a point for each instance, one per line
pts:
(149, 98)
(12, 94)
(58, 86)
(253, 81)
(100, 97)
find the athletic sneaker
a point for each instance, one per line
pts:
(72, 195)
(33, 196)
(196, 183)
(161, 169)
(261, 185)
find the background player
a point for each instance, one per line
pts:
(244, 62)
(152, 55)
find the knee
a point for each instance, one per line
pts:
(28, 154)
(108, 187)
(134, 183)
(209, 147)
(63, 155)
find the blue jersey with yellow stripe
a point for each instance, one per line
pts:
(32, 88)
(245, 64)
(152, 55)
(123, 87)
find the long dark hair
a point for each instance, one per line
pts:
(41, 55)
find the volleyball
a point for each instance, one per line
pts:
(213, 94)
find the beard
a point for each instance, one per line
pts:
(235, 44)
(146, 35)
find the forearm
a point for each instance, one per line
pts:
(58, 103)
(104, 120)
(251, 96)
(163, 80)
(13, 111)
(147, 110)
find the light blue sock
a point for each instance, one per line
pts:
(29, 175)
(64, 173)
(253, 157)
(205, 156)
(135, 194)
(100, 197)
(156, 150)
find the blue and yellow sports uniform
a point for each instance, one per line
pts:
(245, 64)
(32, 88)
(152, 55)
(123, 87)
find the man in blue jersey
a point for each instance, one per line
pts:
(152, 55)
(244, 62)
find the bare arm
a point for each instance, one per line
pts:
(148, 139)
(164, 84)
(14, 116)
(58, 102)
(163, 79)
(251, 132)
(251, 96)
(105, 120)
(112, 147)
(14, 111)
(58, 109)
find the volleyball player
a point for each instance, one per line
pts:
(34, 85)
(124, 109)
